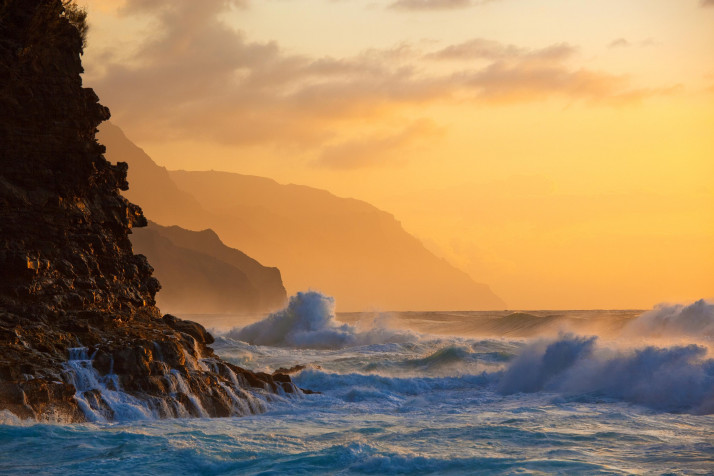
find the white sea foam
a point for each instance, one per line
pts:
(118, 405)
(9, 418)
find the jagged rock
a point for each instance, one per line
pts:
(194, 329)
(80, 335)
(292, 370)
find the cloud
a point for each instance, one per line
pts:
(205, 7)
(625, 43)
(198, 77)
(521, 74)
(377, 149)
(431, 4)
(619, 43)
(525, 81)
(706, 3)
(480, 48)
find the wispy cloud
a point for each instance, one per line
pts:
(198, 77)
(619, 43)
(480, 48)
(378, 149)
(434, 4)
(625, 43)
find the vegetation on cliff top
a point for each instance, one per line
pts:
(77, 17)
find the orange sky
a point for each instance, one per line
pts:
(561, 151)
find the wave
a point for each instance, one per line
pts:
(380, 362)
(443, 358)
(360, 387)
(309, 322)
(693, 320)
(368, 457)
(674, 379)
(280, 447)
(678, 379)
(521, 324)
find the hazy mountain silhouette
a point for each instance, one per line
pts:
(151, 185)
(199, 274)
(343, 247)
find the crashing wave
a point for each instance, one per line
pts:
(678, 320)
(676, 379)
(309, 322)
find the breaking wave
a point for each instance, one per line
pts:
(674, 379)
(309, 322)
(693, 320)
(381, 362)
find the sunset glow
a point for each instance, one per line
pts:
(559, 151)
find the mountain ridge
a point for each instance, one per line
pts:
(201, 275)
(344, 247)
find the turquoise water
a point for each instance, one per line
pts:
(400, 401)
(482, 435)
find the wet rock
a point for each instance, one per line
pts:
(78, 321)
(292, 370)
(194, 329)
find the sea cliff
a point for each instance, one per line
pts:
(80, 335)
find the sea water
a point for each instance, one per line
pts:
(429, 393)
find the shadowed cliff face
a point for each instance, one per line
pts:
(79, 331)
(201, 275)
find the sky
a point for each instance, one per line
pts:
(561, 151)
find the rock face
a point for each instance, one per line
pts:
(80, 335)
(201, 275)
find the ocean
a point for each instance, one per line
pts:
(546, 392)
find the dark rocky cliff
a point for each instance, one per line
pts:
(80, 335)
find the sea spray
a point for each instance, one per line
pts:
(694, 320)
(309, 322)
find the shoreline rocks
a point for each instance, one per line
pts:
(80, 335)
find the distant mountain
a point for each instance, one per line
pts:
(343, 247)
(201, 275)
(150, 184)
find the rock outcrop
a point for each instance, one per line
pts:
(80, 335)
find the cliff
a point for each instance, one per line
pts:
(201, 275)
(343, 247)
(80, 335)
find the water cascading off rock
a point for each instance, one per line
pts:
(80, 335)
